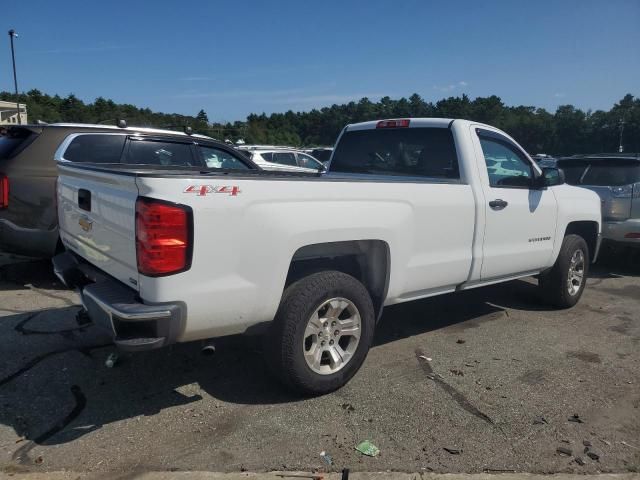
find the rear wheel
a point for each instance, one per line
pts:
(562, 286)
(322, 332)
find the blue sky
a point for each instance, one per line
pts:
(236, 57)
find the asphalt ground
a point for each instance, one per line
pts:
(508, 382)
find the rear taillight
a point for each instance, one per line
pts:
(4, 191)
(163, 237)
(403, 123)
(633, 235)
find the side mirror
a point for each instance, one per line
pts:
(552, 176)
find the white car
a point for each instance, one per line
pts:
(408, 210)
(284, 160)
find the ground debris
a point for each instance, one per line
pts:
(460, 340)
(367, 448)
(586, 443)
(452, 451)
(575, 418)
(593, 456)
(579, 461)
(456, 372)
(539, 420)
(326, 457)
(111, 360)
(348, 407)
(564, 451)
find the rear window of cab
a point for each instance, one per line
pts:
(410, 152)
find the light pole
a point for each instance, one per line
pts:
(12, 34)
(620, 146)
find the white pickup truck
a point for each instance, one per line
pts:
(410, 208)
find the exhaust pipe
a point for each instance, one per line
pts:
(208, 349)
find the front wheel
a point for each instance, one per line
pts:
(322, 332)
(562, 286)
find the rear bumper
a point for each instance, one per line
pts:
(30, 242)
(118, 310)
(622, 232)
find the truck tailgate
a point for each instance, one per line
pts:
(96, 211)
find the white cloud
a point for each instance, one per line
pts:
(451, 87)
(559, 95)
(445, 88)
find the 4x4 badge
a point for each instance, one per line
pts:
(203, 190)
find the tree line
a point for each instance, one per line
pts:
(566, 131)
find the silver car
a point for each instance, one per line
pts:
(616, 179)
(282, 159)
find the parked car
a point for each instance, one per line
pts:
(408, 210)
(28, 172)
(544, 160)
(616, 179)
(283, 160)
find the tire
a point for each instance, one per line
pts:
(292, 352)
(555, 284)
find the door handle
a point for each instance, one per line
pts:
(498, 204)
(84, 199)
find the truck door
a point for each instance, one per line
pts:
(520, 218)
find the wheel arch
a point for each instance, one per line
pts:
(367, 260)
(588, 230)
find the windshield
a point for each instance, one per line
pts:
(425, 152)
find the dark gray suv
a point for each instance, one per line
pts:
(28, 171)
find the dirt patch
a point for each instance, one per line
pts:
(533, 377)
(588, 357)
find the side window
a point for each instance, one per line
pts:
(216, 158)
(95, 149)
(284, 158)
(267, 156)
(151, 152)
(308, 161)
(506, 166)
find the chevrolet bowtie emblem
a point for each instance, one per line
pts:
(86, 224)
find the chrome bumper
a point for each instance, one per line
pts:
(117, 309)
